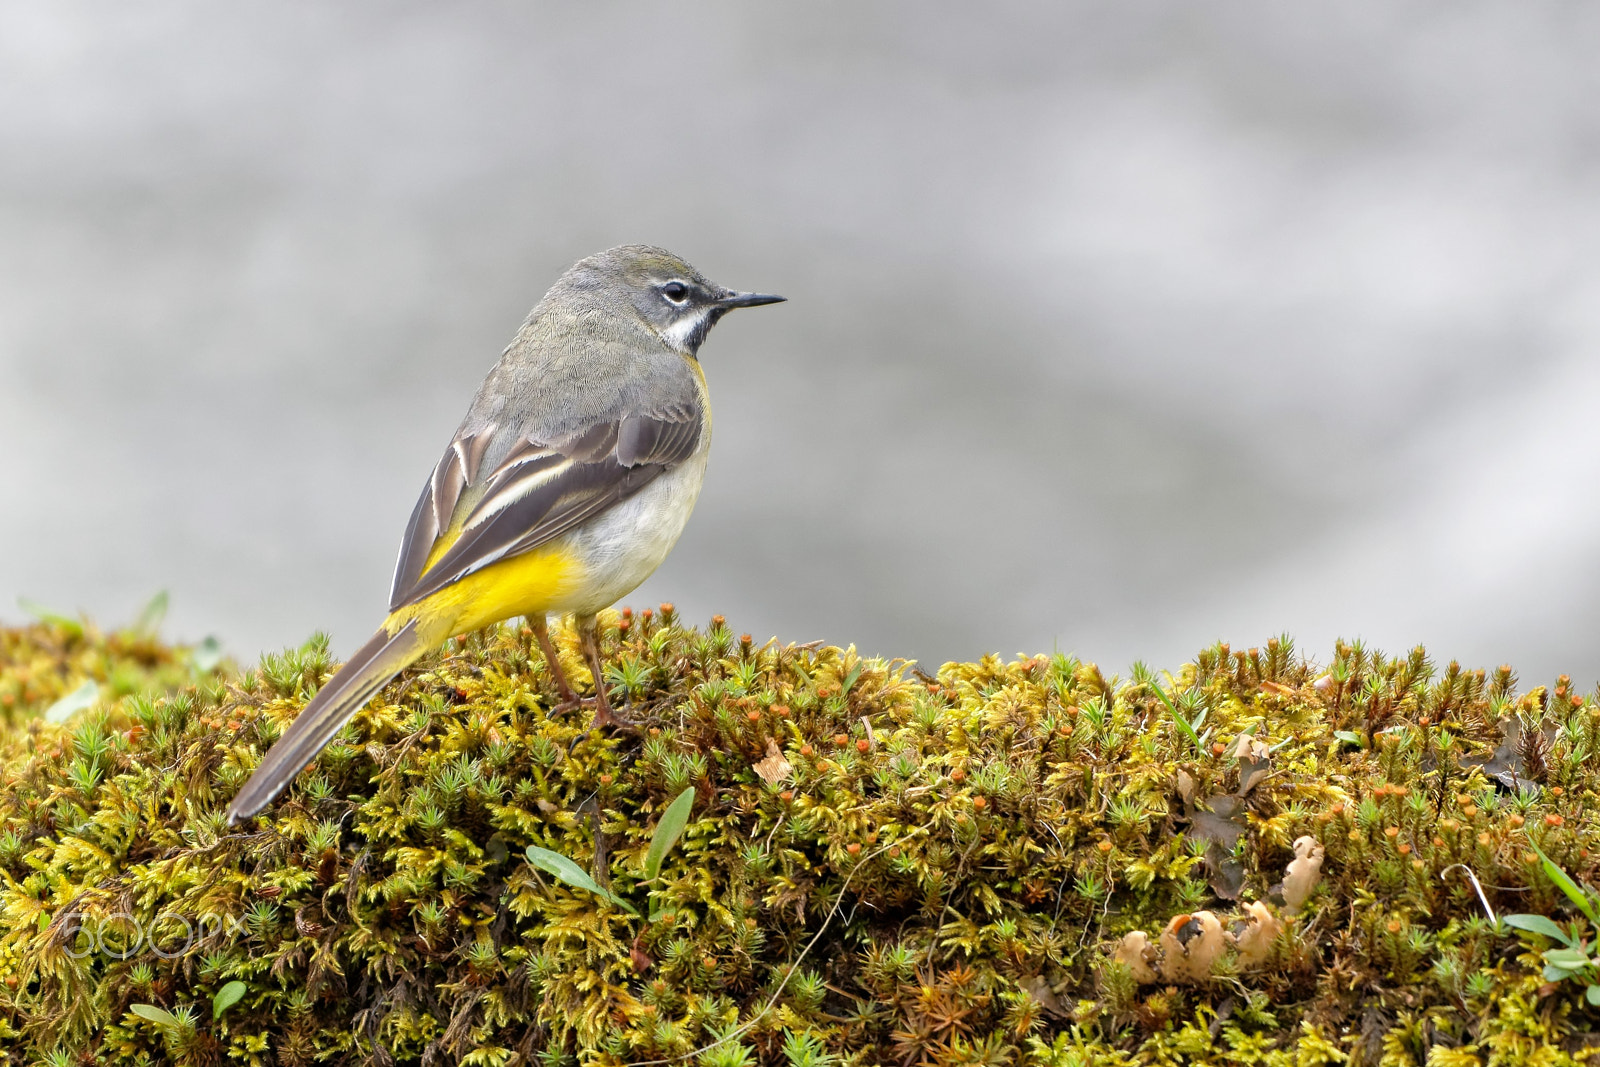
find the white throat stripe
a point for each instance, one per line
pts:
(680, 333)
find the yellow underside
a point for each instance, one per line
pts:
(528, 584)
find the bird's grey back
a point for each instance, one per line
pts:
(581, 357)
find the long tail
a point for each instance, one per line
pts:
(366, 672)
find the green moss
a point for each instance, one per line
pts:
(936, 872)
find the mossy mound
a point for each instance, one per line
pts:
(882, 867)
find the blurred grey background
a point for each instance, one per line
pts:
(1113, 328)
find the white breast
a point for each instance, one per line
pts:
(624, 545)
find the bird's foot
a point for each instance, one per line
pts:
(606, 718)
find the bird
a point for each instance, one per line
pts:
(568, 482)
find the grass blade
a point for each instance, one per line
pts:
(561, 867)
(673, 820)
(82, 697)
(45, 615)
(149, 620)
(1188, 730)
(1565, 883)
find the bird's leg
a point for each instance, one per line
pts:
(541, 630)
(588, 634)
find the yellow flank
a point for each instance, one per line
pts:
(522, 585)
(705, 393)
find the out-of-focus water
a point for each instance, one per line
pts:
(1112, 328)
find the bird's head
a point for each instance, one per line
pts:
(676, 301)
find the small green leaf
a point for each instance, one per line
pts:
(673, 820)
(44, 614)
(1349, 737)
(1592, 995)
(1553, 973)
(207, 654)
(1569, 959)
(82, 697)
(1563, 882)
(567, 871)
(149, 620)
(225, 998)
(164, 1019)
(1539, 924)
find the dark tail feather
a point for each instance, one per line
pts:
(366, 672)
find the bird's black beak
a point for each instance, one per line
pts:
(747, 300)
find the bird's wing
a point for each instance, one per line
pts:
(540, 490)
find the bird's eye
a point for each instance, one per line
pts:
(676, 292)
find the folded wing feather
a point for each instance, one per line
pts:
(540, 490)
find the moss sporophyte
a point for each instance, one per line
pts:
(804, 856)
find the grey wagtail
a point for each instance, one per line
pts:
(566, 485)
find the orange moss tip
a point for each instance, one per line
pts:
(1553, 819)
(854, 848)
(863, 745)
(980, 803)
